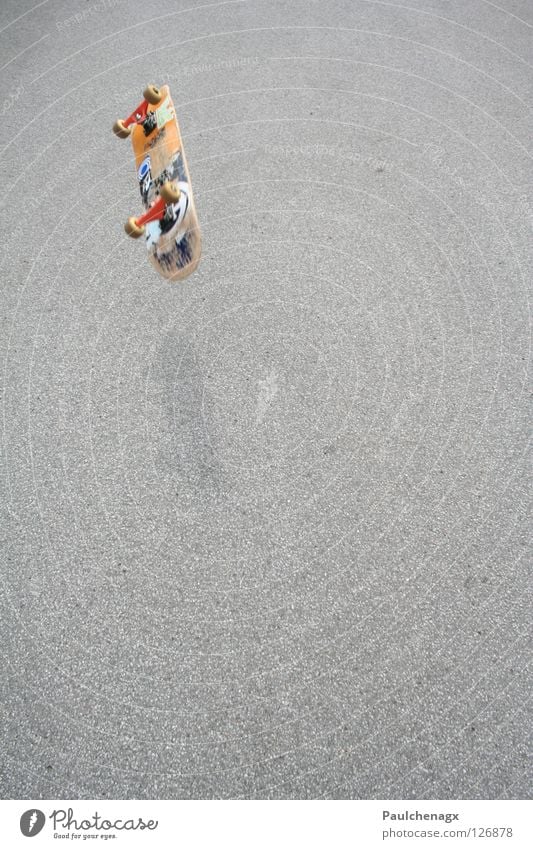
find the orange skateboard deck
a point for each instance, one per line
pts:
(171, 229)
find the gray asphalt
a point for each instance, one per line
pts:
(265, 532)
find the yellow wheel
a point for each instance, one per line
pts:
(152, 94)
(121, 130)
(132, 228)
(170, 192)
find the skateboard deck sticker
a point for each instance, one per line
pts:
(165, 113)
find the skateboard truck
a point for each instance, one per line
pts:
(123, 128)
(169, 194)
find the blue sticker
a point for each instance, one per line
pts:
(144, 169)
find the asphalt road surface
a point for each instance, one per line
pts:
(265, 532)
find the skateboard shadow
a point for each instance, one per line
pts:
(184, 456)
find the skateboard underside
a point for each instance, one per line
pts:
(173, 242)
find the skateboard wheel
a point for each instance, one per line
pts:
(152, 94)
(132, 228)
(120, 129)
(170, 192)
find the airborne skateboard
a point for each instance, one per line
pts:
(169, 223)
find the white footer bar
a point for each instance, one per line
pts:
(267, 824)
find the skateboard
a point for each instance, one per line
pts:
(169, 223)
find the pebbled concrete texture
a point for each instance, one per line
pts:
(265, 533)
